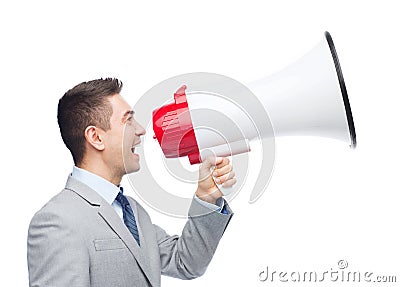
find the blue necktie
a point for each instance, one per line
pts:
(129, 217)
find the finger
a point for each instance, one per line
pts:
(225, 177)
(218, 160)
(223, 170)
(211, 161)
(229, 183)
(224, 161)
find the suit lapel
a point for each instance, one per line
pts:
(115, 223)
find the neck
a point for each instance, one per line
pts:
(102, 171)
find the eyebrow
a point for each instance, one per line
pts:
(128, 113)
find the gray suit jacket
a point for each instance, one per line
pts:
(77, 239)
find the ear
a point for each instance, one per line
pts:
(94, 137)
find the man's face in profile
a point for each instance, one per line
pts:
(122, 138)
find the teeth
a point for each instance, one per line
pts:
(133, 147)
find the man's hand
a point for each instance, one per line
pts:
(223, 174)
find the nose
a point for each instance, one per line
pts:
(140, 131)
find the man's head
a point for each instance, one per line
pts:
(98, 127)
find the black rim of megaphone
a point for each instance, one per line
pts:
(346, 101)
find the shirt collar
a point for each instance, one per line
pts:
(104, 188)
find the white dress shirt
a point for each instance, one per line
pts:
(109, 191)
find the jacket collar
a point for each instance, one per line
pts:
(84, 191)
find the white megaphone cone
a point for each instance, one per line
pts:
(307, 98)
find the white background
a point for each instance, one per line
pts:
(325, 202)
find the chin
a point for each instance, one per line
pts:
(132, 169)
(131, 163)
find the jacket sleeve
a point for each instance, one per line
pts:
(187, 256)
(57, 256)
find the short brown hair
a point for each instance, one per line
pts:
(85, 105)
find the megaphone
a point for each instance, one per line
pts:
(309, 97)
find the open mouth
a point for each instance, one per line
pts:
(134, 146)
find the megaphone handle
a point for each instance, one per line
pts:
(225, 190)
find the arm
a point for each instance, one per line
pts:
(56, 254)
(188, 256)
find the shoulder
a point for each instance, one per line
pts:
(63, 207)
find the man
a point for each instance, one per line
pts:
(91, 234)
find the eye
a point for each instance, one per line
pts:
(129, 121)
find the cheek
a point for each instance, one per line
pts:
(114, 140)
(129, 129)
(129, 134)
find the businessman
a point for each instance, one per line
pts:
(91, 233)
